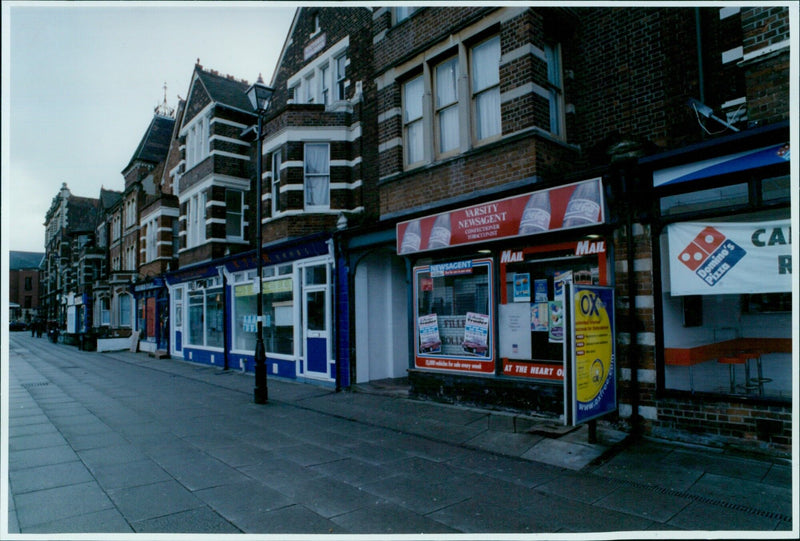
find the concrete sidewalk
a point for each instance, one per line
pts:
(728, 489)
(121, 442)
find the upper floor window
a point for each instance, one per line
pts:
(311, 92)
(401, 13)
(324, 81)
(486, 88)
(196, 220)
(116, 229)
(125, 310)
(130, 212)
(446, 107)
(28, 283)
(434, 127)
(341, 66)
(552, 53)
(276, 182)
(412, 120)
(317, 175)
(197, 141)
(151, 240)
(234, 216)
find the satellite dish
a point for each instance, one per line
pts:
(701, 109)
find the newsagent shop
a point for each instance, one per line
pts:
(489, 290)
(723, 287)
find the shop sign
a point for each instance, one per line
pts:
(565, 207)
(730, 258)
(586, 247)
(593, 366)
(552, 372)
(451, 269)
(732, 163)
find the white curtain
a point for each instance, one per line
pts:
(486, 87)
(412, 117)
(447, 104)
(317, 175)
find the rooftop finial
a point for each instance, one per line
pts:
(260, 80)
(163, 109)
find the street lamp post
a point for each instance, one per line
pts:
(259, 95)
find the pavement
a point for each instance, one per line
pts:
(124, 442)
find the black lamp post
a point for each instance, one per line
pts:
(259, 95)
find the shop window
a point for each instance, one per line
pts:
(278, 310)
(775, 189)
(704, 200)
(317, 176)
(726, 307)
(453, 314)
(206, 320)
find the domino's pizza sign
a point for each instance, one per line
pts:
(710, 255)
(720, 258)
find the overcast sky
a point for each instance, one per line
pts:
(80, 82)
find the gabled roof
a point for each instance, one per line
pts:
(154, 145)
(225, 90)
(108, 198)
(82, 213)
(24, 260)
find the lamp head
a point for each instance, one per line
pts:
(259, 95)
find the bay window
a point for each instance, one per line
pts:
(324, 74)
(341, 65)
(234, 222)
(196, 220)
(317, 175)
(276, 182)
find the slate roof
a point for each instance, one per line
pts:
(226, 90)
(24, 260)
(108, 198)
(82, 213)
(155, 144)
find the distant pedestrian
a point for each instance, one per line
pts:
(33, 329)
(39, 328)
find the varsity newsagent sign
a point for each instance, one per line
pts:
(594, 381)
(719, 257)
(564, 207)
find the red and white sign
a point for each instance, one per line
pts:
(565, 207)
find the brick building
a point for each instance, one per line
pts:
(24, 284)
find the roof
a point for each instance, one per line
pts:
(24, 260)
(155, 144)
(82, 213)
(225, 89)
(108, 198)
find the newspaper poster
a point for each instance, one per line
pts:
(429, 341)
(476, 334)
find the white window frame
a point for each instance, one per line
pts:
(340, 76)
(197, 140)
(325, 84)
(230, 213)
(555, 88)
(277, 158)
(306, 82)
(309, 176)
(196, 220)
(125, 314)
(151, 240)
(444, 110)
(415, 123)
(476, 94)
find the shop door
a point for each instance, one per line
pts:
(316, 321)
(162, 333)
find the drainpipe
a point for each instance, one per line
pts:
(699, 36)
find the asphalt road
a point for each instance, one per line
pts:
(121, 442)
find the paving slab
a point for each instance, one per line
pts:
(200, 520)
(57, 503)
(644, 502)
(98, 522)
(244, 503)
(708, 517)
(49, 476)
(153, 500)
(563, 454)
(390, 519)
(294, 519)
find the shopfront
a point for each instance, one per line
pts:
(297, 286)
(489, 293)
(152, 315)
(724, 272)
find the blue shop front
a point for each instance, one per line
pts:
(213, 309)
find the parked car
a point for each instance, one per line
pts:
(17, 326)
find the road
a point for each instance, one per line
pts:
(121, 442)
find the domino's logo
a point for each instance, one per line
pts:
(711, 255)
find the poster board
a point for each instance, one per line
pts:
(593, 366)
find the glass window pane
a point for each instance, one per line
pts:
(315, 310)
(446, 78)
(487, 119)
(215, 321)
(486, 65)
(414, 148)
(316, 275)
(448, 129)
(705, 199)
(278, 307)
(412, 102)
(195, 314)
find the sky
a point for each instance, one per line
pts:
(80, 83)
